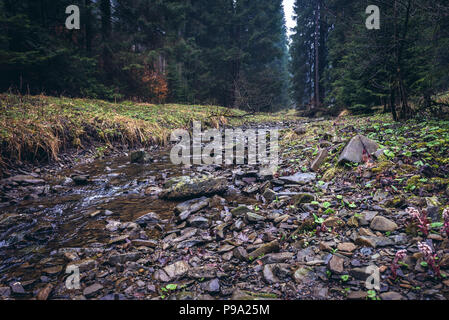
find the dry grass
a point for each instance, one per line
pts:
(40, 127)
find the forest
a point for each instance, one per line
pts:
(227, 150)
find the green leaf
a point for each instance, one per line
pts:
(172, 287)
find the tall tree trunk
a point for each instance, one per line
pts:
(317, 54)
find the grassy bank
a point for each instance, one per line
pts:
(39, 128)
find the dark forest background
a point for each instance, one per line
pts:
(233, 53)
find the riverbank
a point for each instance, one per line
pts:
(38, 129)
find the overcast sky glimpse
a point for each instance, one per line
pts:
(288, 7)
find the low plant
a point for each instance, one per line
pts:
(421, 219)
(430, 257)
(395, 266)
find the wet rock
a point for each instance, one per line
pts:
(187, 187)
(83, 265)
(264, 249)
(113, 226)
(144, 243)
(300, 178)
(254, 217)
(269, 195)
(202, 272)
(177, 269)
(303, 198)
(92, 290)
(122, 258)
(199, 222)
(212, 286)
(240, 253)
(119, 239)
(336, 264)
(268, 274)
(357, 295)
(81, 180)
(161, 275)
(353, 152)
(273, 258)
(140, 156)
(322, 155)
(360, 273)
(192, 206)
(365, 241)
(303, 275)
(366, 217)
(240, 211)
(147, 219)
(391, 296)
(383, 224)
(334, 222)
(346, 247)
(17, 289)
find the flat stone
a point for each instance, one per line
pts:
(336, 264)
(212, 286)
(357, 295)
(383, 224)
(205, 272)
(333, 222)
(254, 217)
(391, 296)
(268, 274)
(199, 222)
(240, 211)
(366, 241)
(303, 275)
(264, 249)
(346, 247)
(300, 178)
(147, 219)
(177, 269)
(188, 188)
(83, 265)
(269, 195)
(17, 288)
(240, 253)
(92, 290)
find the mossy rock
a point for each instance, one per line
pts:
(414, 181)
(407, 168)
(382, 166)
(397, 202)
(417, 202)
(303, 198)
(329, 174)
(440, 182)
(240, 211)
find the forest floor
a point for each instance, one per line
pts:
(299, 234)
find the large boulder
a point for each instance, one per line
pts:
(187, 188)
(354, 150)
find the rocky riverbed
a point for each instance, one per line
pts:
(138, 227)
